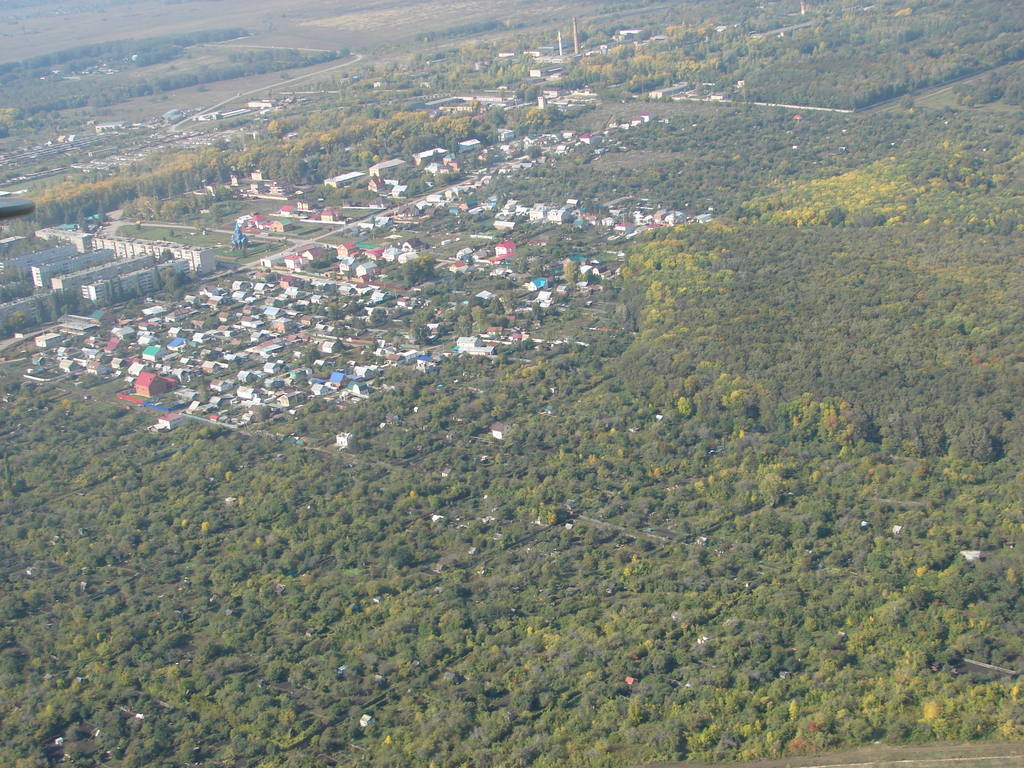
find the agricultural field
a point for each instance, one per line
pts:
(48, 25)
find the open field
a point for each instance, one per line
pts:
(48, 25)
(989, 755)
(204, 96)
(176, 235)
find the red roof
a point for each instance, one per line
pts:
(145, 379)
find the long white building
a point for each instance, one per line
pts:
(200, 260)
(75, 280)
(41, 273)
(22, 265)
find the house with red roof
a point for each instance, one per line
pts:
(256, 223)
(346, 250)
(505, 248)
(150, 385)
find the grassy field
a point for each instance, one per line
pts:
(183, 236)
(50, 25)
(203, 96)
(988, 755)
(251, 254)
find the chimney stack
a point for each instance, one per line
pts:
(560, 53)
(575, 37)
(803, 7)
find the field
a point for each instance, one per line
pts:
(175, 235)
(47, 25)
(306, 25)
(222, 92)
(991, 755)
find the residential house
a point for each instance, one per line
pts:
(170, 421)
(152, 353)
(472, 345)
(149, 384)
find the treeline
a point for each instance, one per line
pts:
(1004, 85)
(33, 98)
(161, 176)
(463, 30)
(143, 49)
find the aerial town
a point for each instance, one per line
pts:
(218, 335)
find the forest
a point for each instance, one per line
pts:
(767, 487)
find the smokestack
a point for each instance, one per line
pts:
(560, 43)
(803, 7)
(575, 37)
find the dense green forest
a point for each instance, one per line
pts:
(727, 525)
(815, 388)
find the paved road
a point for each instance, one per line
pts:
(356, 58)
